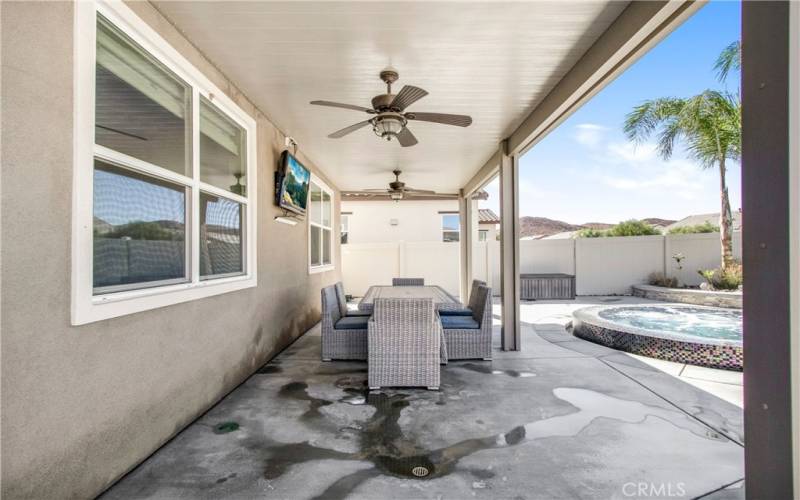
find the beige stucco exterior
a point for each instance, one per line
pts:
(83, 405)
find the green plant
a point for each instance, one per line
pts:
(633, 227)
(678, 258)
(705, 227)
(660, 279)
(709, 124)
(590, 233)
(729, 278)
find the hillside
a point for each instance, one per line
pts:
(542, 226)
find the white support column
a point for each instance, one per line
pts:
(509, 248)
(466, 242)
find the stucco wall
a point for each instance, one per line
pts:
(417, 220)
(82, 405)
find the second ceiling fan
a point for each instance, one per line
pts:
(390, 118)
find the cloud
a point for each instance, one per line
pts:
(630, 152)
(679, 178)
(589, 134)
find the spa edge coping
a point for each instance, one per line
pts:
(591, 316)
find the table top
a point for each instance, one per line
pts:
(441, 298)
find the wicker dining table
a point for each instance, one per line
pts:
(441, 299)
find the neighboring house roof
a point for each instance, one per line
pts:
(698, 219)
(566, 235)
(487, 216)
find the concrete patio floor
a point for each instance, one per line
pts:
(563, 418)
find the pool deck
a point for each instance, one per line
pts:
(562, 418)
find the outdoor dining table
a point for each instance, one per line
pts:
(441, 299)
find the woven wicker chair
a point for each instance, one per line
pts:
(465, 311)
(404, 344)
(408, 281)
(343, 310)
(342, 337)
(470, 337)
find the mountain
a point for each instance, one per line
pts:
(542, 226)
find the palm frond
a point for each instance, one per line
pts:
(645, 118)
(729, 59)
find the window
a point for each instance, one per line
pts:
(320, 226)
(450, 227)
(163, 210)
(483, 234)
(344, 228)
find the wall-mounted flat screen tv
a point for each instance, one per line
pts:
(293, 189)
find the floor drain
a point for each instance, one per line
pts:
(420, 471)
(225, 427)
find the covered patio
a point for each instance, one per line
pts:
(561, 418)
(196, 383)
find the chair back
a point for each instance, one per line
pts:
(401, 311)
(475, 284)
(482, 310)
(330, 304)
(408, 281)
(342, 298)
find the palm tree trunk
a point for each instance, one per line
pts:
(725, 219)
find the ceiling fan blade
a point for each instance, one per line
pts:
(408, 95)
(406, 138)
(457, 120)
(375, 190)
(352, 128)
(342, 105)
(419, 191)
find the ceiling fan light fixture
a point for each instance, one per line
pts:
(396, 195)
(388, 125)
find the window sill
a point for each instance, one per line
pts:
(321, 269)
(102, 307)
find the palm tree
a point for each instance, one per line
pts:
(709, 125)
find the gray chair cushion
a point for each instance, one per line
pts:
(460, 323)
(359, 313)
(352, 323)
(457, 312)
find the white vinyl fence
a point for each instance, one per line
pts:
(601, 266)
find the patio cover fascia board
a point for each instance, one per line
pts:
(638, 28)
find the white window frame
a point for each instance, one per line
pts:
(441, 226)
(87, 307)
(321, 268)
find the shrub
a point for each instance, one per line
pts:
(705, 227)
(631, 227)
(660, 279)
(591, 233)
(729, 278)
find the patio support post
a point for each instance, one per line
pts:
(509, 248)
(465, 213)
(768, 55)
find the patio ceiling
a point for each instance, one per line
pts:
(493, 61)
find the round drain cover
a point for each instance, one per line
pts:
(420, 471)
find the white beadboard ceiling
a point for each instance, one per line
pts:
(493, 61)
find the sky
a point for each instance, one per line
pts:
(587, 171)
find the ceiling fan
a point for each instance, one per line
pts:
(398, 190)
(390, 118)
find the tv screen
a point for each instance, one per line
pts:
(293, 193)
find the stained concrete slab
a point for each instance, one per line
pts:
(556, 420)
